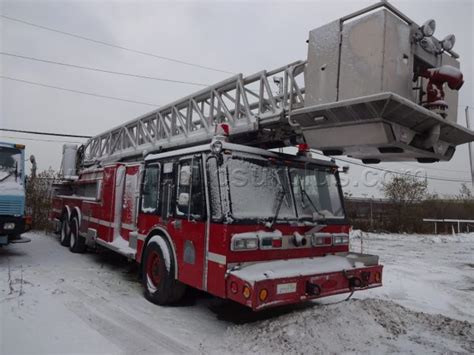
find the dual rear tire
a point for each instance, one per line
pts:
(69, 235)
(64, 232)
(77, 243)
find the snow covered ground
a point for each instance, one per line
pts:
(56, 302)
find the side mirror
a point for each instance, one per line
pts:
(183, 199)
(185, 175)
(33, 165)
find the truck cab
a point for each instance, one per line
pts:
(12, 192)
(259, 227)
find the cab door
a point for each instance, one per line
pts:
(188, 225)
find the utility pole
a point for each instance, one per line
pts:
(371, 214)
(471, 162)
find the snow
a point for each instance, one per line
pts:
(357, 326)
(431, 273)
(121, 246)
(55, 302)
(294, 267)
(451, 71)
(11, 188)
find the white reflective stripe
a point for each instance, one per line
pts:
(128, 226)
(141, 236)
(107, 223)
(217, 258)
(98, 221)
(57, 210)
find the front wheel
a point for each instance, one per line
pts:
(158, 265)
(65, 232)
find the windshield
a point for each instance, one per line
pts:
(258, 188)
(10, 162)
(316, 193)
(9, 158)
(254, 187)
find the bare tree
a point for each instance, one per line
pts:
(38, 197)
(465, 193)
(405, 193)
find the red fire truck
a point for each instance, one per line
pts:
(200, 193)
(258, 227)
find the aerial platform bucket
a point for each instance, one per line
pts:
(381, 127)
(379, 87)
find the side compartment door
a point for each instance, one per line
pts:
(118, 198)
(188, 227)
(129, 204)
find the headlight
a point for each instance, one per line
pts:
(9, 226)
(244, 243)
(340, 239)
(321, 239)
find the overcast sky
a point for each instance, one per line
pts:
(235, 36)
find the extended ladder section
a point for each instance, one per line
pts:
(255, 107)
(393, 97)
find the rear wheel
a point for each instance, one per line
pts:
(65, 232)
(158, 273)
(77, 244)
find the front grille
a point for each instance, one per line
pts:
(12, 205)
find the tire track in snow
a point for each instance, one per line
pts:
(126, 331)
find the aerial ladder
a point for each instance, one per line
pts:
(375, 86)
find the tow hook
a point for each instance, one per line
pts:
(313, 289)
(353, 281)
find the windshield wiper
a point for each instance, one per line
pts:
(303, 194)
(281, 198)
(6, 176)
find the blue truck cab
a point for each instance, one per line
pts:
(12, 193)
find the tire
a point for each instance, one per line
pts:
(77, 244)
(64, 232)
(158, 278)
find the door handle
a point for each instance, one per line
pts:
(177, 224)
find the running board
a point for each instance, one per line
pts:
(381, 127)
(120, 246)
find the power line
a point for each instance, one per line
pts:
(115, 45)
(101, 70)
(392, 171)
(39, 140)
(439, 169)
(44, 133)
(77, 91)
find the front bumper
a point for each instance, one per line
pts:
(297, 280)
(19, 225)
